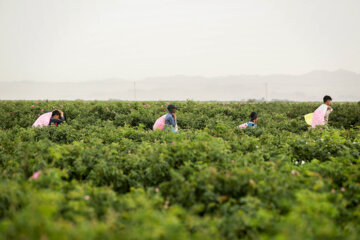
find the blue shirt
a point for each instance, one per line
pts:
(251, 124)
(170, 121)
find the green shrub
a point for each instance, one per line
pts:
(104, 174)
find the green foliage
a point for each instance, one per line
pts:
(104, 174)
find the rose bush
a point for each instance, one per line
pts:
(104, 174)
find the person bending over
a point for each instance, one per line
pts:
(321, 114)
(252, 123)
(57, 117)
(170, 118)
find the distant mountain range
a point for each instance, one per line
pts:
(342, 85)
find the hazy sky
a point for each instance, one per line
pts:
(73, 40)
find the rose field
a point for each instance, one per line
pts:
(105, 174)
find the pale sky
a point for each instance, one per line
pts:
(73, 40)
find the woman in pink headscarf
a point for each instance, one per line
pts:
(321, 114)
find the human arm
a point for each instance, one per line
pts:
(326, 117)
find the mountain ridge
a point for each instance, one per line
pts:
(341, 84)
(115, 79)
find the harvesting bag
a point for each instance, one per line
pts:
(243, 126)
(160, 123)
(308, 118)
(319, 115)
(43, 120)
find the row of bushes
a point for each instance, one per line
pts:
(192, 115)
(96, 178)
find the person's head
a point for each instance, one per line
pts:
(172, 108)
(55, 114)
(327, 100)
(254, 117)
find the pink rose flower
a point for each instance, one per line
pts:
(166, 206)
(87, 197)
(32, 106)
(293, 172)
(107, 108)
(36, 175)
(162, 106)
(10, 112)
(38, 114)
(342, 189)
(42, 110)
(214, 135)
